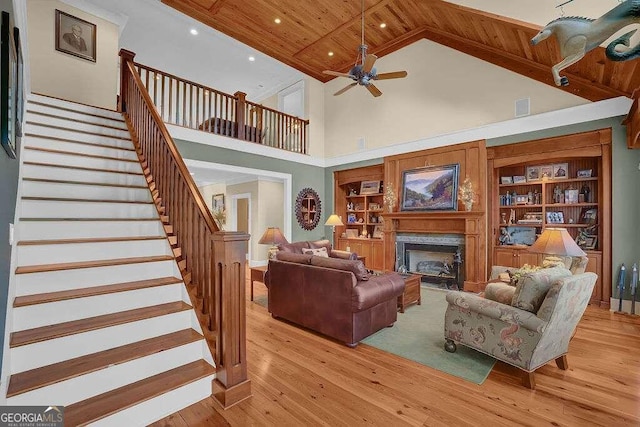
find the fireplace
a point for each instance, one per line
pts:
(436, 257)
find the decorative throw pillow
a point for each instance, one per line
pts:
(532, 288)
(317, 252)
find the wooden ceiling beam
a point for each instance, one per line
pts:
(577, 85)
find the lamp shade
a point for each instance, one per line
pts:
(334, 220)
(272, 236)
(556, 241)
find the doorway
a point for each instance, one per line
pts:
(241, 216)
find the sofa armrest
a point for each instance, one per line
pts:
(335, 253)
(495, 310)
(377, 289)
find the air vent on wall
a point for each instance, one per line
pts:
(523, 107)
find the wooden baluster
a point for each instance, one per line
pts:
(163, 101)
(170, 100)
(231, 384)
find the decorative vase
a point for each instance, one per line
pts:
(468, 205)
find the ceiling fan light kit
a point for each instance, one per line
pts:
(363, 73)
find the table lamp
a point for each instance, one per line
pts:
(333, 221)
(272, 236)
(556, 241)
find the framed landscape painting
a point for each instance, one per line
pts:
(430, 188)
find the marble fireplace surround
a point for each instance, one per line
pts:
(469, 225)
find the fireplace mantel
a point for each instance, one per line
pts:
(470, 224)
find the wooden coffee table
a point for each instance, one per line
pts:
(257, 275)
(411, 292)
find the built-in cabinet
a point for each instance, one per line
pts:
(556, 182)
(360, 212)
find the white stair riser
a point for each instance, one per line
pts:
(95, 383)
(77, 126)
(54, 281)
(160, 407)
(94, 150)
(76, 252)
(36, 129)
(74, 106)
(56, 209)
(81, 161)
(79, 191)
(35, 316)
(49, 172)
(53, 230)
(39, 108)
(56, 350)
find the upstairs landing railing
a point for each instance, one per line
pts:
(215, 260)
(192, 105)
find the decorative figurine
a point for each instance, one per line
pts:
(576, 36)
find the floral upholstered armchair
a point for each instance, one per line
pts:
(531, 331)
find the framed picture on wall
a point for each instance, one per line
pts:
(430, 188)
(217, 203)
(8, 82)
(75, 36)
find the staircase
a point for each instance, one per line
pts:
(101, 321)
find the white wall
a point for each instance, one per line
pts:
(66, 76)
(314, 107)
(271, 201)
(445, 91)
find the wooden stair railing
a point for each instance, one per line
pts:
(184, 103)
(215, 261)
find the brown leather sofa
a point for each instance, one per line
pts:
(332, 296)
(298, 247)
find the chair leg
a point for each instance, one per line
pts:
(529, 380)
(562, 362)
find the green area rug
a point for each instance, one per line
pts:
(418, 335)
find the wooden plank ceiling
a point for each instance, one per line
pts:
(311, 29)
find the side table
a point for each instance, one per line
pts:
(411, 292)
(257, 275)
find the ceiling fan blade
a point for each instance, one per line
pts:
(344, 89)
(337, 74)
(368, 63)
(374, 90)
(392, 75)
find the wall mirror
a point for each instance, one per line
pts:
(308, 208)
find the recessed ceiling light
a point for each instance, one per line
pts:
(251, 58)
(157, 77)
(194, 31)
(330, 53)
(277, 20)
(383, 25)
(192, 173)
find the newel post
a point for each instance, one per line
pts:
(229, 258)
(125, 57)
(240, 118)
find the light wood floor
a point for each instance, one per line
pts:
(299, 379)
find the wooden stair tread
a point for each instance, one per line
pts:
(40, 268)
(71, 153)
(51, 165)
(57, 107)
(74, 141)
(30, 336)
(88, 240)
(86, 122)
(76, 130)
(97, 184)
(66, 199)
(89, 219)
(23, 382)
(103, 405)
(43, 298)
(111, 110)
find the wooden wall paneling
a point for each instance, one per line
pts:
(606, 231)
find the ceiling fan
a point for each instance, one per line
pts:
(363, 73)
